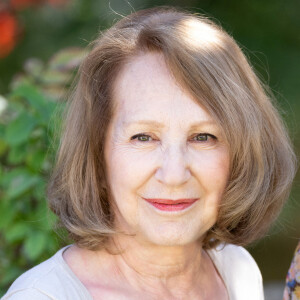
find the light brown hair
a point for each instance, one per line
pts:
(211, 67)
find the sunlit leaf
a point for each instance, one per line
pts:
(21, 184)
(53, 77)
(19, 130)
(55, 92)
(36, 99)
(35, 244)
(67, 59)
(34, 67)
(16, 232)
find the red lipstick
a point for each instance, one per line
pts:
(171, 205)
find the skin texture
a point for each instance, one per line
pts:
(161, 255)
(170, 164)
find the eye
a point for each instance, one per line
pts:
(142, 137)
(203, 137)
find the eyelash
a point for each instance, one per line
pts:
(200, 134)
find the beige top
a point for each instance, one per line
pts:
(53, 279)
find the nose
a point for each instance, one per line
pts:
(174, 169)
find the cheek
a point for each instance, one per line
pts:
(121, 172)
(129, 166)
(213, 170)
(128, 170)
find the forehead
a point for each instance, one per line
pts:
(146, 89)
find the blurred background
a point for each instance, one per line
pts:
(41, 45)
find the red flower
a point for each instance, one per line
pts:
(8, 33)
(9, 24)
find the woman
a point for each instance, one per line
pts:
(172, 157)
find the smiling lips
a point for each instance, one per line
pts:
(171, 205)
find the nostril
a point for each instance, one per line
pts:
(173, 175)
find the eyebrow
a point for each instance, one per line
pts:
(160, 125)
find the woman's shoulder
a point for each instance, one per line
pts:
(235, 256)
(238, 270)
(48, 280)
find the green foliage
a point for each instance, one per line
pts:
(27, 124)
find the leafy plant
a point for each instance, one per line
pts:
(28, 120)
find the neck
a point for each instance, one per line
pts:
(161, 268)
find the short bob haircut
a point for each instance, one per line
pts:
(209, 65)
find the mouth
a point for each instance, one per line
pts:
(171, 205)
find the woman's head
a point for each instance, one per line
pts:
(210, 68)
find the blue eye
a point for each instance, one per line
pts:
(141, 137)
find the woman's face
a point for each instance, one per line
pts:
(163, 147)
